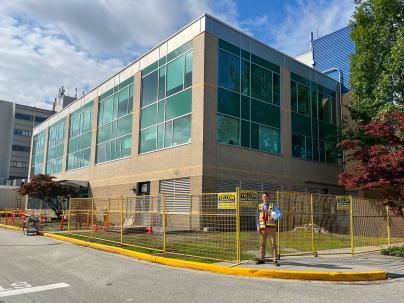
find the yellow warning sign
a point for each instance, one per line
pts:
(228, 200)
(343, 203)
(248, 199)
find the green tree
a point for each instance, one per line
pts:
(377, 66)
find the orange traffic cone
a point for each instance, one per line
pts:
(150, 230)
(106, 224)
(6, 218)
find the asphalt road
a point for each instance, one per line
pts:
(38, 269)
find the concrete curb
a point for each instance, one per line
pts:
(10, 227)
(247, 272)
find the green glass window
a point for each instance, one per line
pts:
(54, 158)
(311, 99)
(314, 106)
(148, 139)
(325, 108)
(298, 146)
(175, 75)
(179, 104)
(264, 113)
(123, 102)
(149, 89)
(107, 110)
(124, 125)
(269, 139)
(277, 88)
(255, 138)
(114, 136)
(245, 108)
(245, 133)
(245, 77)
(261, 83)
(161, 111)
(38, 150)
(79, 144)
(160, 136)
(148, 116)
(168, 134)
(228, 102)
(303, 94)
(167, 123)
(162, 83)
(301, 124)
(182, 130)
(248, 92)
(293, 89)
(228, 130)
(188, 70)
(229, 71)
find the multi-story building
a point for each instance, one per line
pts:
(208, 109)
(16, 124)
(330, 55)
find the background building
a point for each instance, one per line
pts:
(16, 124)
(62, 100)
(330, 54)
(206, 110)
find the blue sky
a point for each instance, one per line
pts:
(78, 44)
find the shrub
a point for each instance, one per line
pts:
(397, 251)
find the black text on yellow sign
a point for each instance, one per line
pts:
(228, 200)
(343, 203)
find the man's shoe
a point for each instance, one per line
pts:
(276, 263)
(260, 261)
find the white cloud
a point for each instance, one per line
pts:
(75, 43)
(292, 35)
(35, 63)
(45, 44)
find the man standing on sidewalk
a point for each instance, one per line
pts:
(267, 215)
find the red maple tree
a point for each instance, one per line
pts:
(377, 154)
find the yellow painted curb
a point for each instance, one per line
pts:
(10, 227)
(247, 272)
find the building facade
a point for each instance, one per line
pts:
(330, 55)
(208, 109)
(16, 125)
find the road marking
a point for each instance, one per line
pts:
(14, 292)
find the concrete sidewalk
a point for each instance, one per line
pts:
(394, 266)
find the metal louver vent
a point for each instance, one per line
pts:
(178, 198)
